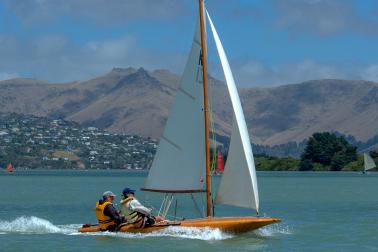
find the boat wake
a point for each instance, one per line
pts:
(273, 230)
(35, 225)
(205, 234)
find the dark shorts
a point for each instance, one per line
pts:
(111, 228)
(149, 221)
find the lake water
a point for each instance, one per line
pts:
(42, 210)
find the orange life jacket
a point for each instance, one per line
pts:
(103, 221)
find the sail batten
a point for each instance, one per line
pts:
(238, 185)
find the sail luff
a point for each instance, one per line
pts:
(240, 127)
(206, 114)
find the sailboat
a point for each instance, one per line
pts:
(368, 162)
(182, 161)
(10, 168)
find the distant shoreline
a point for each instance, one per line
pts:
(146, 171)
(78, 170)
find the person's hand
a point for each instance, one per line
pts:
(158, 218)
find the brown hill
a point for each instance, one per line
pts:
(137, 102)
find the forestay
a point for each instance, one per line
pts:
(179, 163)
(238, 185)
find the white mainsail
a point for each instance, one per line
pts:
(368, 162)
(238, 185)
(179, 163)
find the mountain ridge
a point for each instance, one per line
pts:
(137, 101)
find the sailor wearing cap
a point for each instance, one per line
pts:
(135, 213)
(107, 215)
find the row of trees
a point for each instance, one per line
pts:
(323, 152)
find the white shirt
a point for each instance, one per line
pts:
(134, 205)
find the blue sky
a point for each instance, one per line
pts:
(268, 42)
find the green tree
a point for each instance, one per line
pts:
(329, 150)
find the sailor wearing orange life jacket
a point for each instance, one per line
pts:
(134, 212)
(107, 215)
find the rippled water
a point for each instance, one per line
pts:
(42, 210)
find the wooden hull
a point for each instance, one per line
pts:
(227, 224)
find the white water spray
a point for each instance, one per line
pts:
(206, 234)
(273, 230)
(35, 225)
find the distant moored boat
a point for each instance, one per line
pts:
(10, 168)
(220, 163)
(368, 162)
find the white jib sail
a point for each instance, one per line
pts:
(179, 163)
(238, 185)
(368, 162)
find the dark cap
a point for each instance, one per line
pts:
(127, 191)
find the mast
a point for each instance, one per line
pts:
(205, 108)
